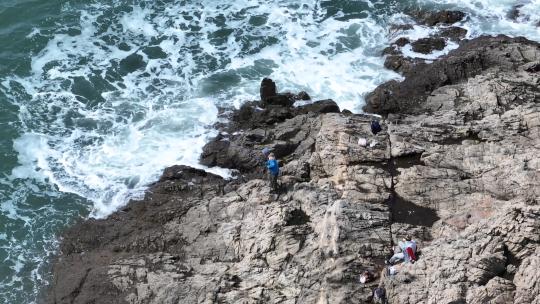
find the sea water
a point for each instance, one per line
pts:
(99, 96)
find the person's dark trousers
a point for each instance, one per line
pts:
(273, 181)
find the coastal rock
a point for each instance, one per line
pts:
(466, 152)
(432, 18)
(428, 45)
(456, 166)
(454, 33)
(242, 151)
(470, 59)
(399, 63)
(268, 88)
(402, 41)
(196, 238)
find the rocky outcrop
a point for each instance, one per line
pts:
(445, 32)
(428, 45)
(196, 238)
(472, 58)
(471, 137)
(432, 18)
(456, 165)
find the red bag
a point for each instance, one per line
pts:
(410, 253)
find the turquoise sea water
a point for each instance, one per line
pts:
(98, 96)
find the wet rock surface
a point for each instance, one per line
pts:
(428, 45)
(456, 165)
(472, 58)
(444, 32)
(432, 18)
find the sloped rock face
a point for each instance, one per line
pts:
(196, 238)
(473, 146)
(472, 58)
(456, 166)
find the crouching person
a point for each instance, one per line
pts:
(406, 251)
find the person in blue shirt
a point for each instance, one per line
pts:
(273, 171)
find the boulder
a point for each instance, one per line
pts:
(321, 106)
(428, 45)
(268, 88)
(401, 64)
(454, 33)
(402, 41)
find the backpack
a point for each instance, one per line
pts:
(379, 295)
(411, 254)
(375, 127)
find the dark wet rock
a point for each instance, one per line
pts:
(302, 96)
(86, 91)
(402, 41)
(428, 45)
(268, 88)
(254, 128)
(321, 106)
(154, 52)
(391, 50)
(132, 63)
(469, 60)
(401, 64)
(453, 33)
(284, 100)
(532, 67)
(251, 115)
(431, 18)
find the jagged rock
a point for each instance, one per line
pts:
(428, 45)
(469, 60)
(131, 63)
(431, 18)
(242, 151)
(193, 240)
(391, 50)
(302, 96)
(466, 154)
(402, 41)
(321, 106)
(401, 64)
(453, 33)
(282, 100)
(268, 88)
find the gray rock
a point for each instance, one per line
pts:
(458, 169)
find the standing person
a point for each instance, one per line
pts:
(273, 171)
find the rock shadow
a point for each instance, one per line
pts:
(404, 211)
(297, 217)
